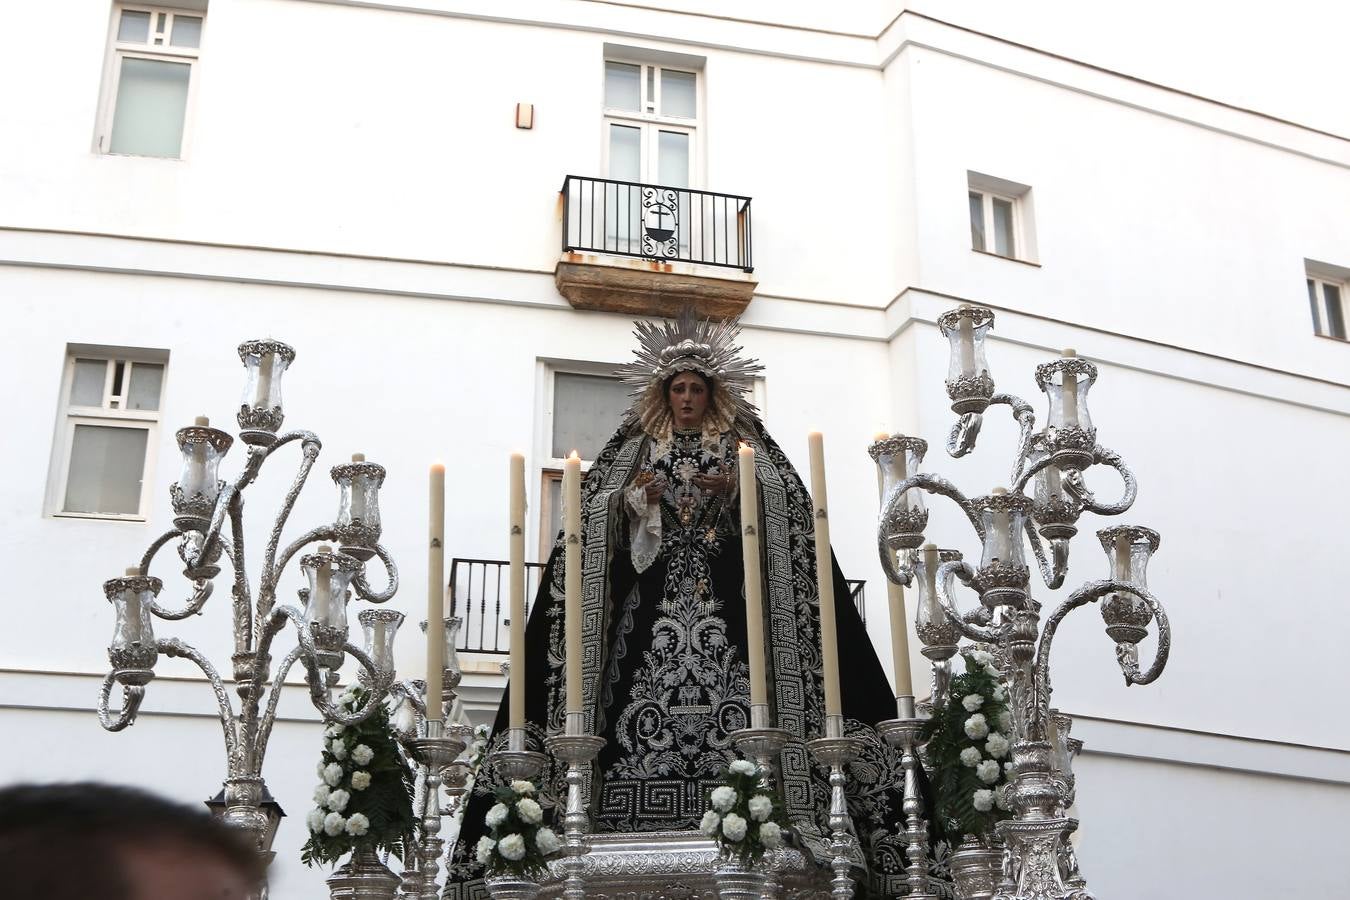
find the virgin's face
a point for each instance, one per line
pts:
(688, 397)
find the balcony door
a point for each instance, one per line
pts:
(651, 129)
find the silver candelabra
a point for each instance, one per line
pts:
(1039, 864)
(208, 524)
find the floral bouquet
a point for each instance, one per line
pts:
(968, 748)
(746, 818)
(364, 797)
(517, 842)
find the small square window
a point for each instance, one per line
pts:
(109, 423)
(1329, 304)
(1000, 217)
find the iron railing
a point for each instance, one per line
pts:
(657, 222)
(479, 595)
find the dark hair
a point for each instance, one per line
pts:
(66, 841)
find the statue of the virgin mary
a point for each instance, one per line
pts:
(665, 670)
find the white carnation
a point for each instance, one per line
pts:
(360, 780)
(760, 807)
(321, 795)
(711, 823)
(362, 755)
(484, 851)
(334, 824)
(497, 815)
(983, 800)
(337, 748)
(334, 730)
(315, 820)
(982, 657)
(1005, 721)
(512, 847)
(1000, 693)
(970, 757)
(743, 767)
(733, 826)
(337, 800)
(972, 702)
(482, 731)
(976, 727)
(770, 835)
(987, 771)
(332, 774)
(547, 841)
(530, 812)
(357, 825)
(522, 788)
(318, 770)
(997, 745)
(723, 798)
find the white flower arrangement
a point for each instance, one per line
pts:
(983, 800)
(997, 746)
(1005, 721)
(334, 824)
(745, 815)
(518, 843)
(332, 774)
(976, 727)
(971, 757)
(362, 755)
(360, 780)
(315, 820)
(972, 702)
(988, 771)
(337, 800)
(357, 825)
(321, 793)
(338, 748)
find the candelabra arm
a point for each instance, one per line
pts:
(363, 588)
(268, 591)
(172, 647)
(933, 484)
(961, 439)
(1056, 567)
(310, 447)
(899, 574)
(132, 694)
(1026, 419)
(376, 686)
(963, 570)
(270, 715)
(201, 592)
(154, 548)
(1110, 458)
(1127, 654)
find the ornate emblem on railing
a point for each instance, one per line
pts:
(660, 222)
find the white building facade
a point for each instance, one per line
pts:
(381, 185)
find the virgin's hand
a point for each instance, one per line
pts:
(655, 488)
(717, 484)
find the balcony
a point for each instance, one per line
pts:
(648, 249)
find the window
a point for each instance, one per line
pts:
(1000, 217)
(584, 407)
(105, 439)
(651, 120)
(1328, 301)
(151, 56)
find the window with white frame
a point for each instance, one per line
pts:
(152, 54)
(585, 405)
(1001, 217)
(651, 123)
(1327, 297)
(105, 438)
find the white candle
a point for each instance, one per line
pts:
(323, 583)
(517, 590)
(264, 391)
(1002, 549)
(436, 593)
(966, 345)
(754, 585)
(1122, 557)
(194, 480)
(931, 561)
(1052, 482)
(1069, 392)
(378, 656)
(829, 637)
(572, 564)
(904, 684)
(358, 490)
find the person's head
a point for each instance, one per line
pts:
(688, 394)
(88, 840)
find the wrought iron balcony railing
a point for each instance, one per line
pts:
(657, 222)
(478, 588)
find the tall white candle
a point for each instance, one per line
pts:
(1069, 391)
(1122, 557)
(572, 564)
(436, 592)
(517, 590)
(323, 582)
(754, 585)
(966, 345)
(931, 561)
(265, 364)
(895, 594)
(829, 635)
(1002, 548)
(358, 490)
(1053, 483)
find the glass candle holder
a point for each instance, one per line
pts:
(1003, 575)
(379, 628)
(897, 458)
(452, 671)
(260, 408)
(358, 518)
(329, 574)
(133, 652)
(1069, 435)
(1054, 510)
(936, 632)
(969, 383)
(194, 495)
(1128, 550)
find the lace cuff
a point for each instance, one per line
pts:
(644, 527)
